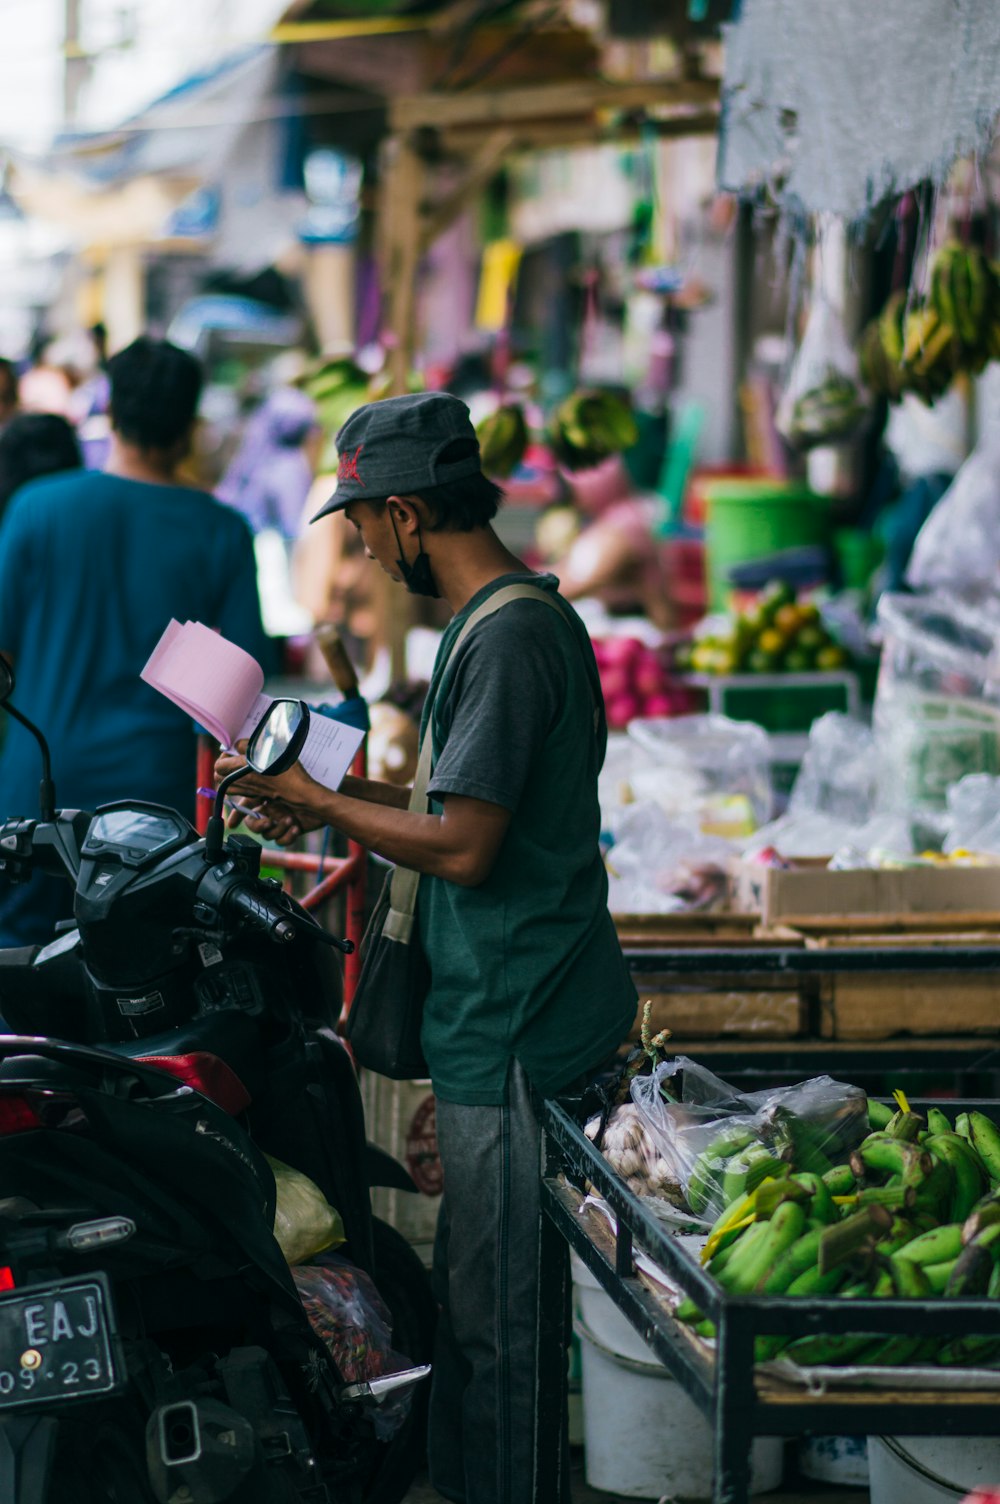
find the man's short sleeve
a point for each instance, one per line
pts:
(499, 703)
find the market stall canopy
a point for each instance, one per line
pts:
(837, 107)
(398, 49)
(219, 134)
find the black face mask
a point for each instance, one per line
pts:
(417, 577)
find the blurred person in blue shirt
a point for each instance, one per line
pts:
(93, 565)
(33, 445)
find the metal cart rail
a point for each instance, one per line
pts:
(738, 1402)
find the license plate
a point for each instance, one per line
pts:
(57, 1343)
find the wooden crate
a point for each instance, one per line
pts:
(879, 1005)
(745, 1005)
(712, 928)
(738, 1009)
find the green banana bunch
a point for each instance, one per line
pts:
(757, 1254)
(822, 1207)
(974, 1266)
(900, 1233)
(589, 426)
(905, 1125)
(827, 1348)
(801, 1142)
(705, 1181)
(937, 1191)
(982, 1215)
(840, 1180)
(937, 1246)
(809, 1284)
(984, 1136)
(890, 327)
(969, 1176)
(745, 1171)
(503, 438)
(797, 1259)
(890, 1156)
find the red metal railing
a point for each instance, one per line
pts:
(334, 873)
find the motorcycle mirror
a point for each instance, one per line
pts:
(278, 740)
(273, 747)
(47, 793)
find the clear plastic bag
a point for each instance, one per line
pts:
(958, 547)
(697, 765)
(974, 815)
(304, 1221)
(937, 705)
(834, 804)
(824, 401)
(346, 1311)
(657, 867)
(716, 1142)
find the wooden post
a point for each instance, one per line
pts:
(402, 258)
(400, 212)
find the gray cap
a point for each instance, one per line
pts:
(393, 448)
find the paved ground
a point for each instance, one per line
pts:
(792, 1492)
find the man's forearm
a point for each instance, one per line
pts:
(390, 829)
(373, 791)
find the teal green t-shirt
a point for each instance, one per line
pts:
(527, 966)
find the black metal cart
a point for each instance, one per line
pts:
(739, 1402)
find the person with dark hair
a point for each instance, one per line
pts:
(35, 444)
(9, 389)
(529, 992)
(93, 565)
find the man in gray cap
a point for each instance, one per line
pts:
(529, 990)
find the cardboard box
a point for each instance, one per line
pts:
(796, 894)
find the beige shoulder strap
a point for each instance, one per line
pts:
(403, 887)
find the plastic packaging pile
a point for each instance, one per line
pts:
(342, 1304)
(678, 797)
(834, 806)
(958, 547)
(937, 707)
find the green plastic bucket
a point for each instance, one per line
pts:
(750, 519)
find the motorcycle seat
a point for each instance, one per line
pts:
(232, 1037)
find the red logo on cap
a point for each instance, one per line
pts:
(347, 469)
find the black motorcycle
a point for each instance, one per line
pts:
(153, 1343)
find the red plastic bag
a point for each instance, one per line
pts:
(346, 1311)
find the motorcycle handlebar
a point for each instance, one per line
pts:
(277, 923)
(261, 914)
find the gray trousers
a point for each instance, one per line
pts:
(482, 1406)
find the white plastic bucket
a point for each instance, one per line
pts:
(835, 1459)
(643, 1437)
(931, 1469)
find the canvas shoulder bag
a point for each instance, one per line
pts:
(384, 1020)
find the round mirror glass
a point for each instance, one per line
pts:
(276, 742)
(6, 679)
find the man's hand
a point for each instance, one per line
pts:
(273, 821)
(282, 806)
